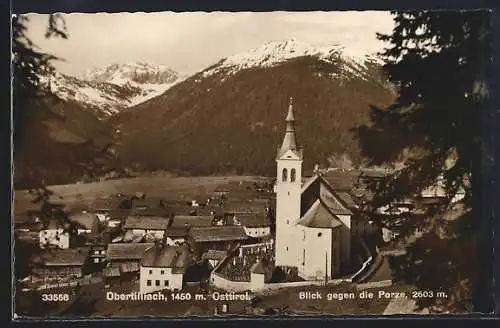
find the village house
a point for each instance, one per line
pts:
(103, 206)
(143, 203)
(97, 254)
(151, 211)
(60, 263)
(188, 210)
(137, 227)
(255, 225)
(117, 217)
(54, 234)
(163, 268)
(235, 207)
(85, 223)
(179, 226)
(223, 238)
(123, 261)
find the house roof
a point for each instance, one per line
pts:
(63, 257)
(236, 207)
(176, 257)
(182, 221)
(150, 211)
(253, 220)
(119, 214)
(218, 233)
(84, 220)
(213, 254)
(146, 223)
(148, 202)
(184, 209)
(108, 203)
(177, 232)
(319, 216)
(127, 251)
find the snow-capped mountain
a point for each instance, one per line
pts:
(108, 90)
(138, 73)
(273, 53)
(229, 116)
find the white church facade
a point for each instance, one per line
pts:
(313, 224)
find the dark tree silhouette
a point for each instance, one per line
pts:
(31, 97)
(440, 63)
(29, 64)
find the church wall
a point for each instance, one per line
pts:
(336, 255)
(316, 245)
(345, 239)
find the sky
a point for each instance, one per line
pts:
(190, 42)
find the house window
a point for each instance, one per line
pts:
(165, 282)
(292, 175)
(284, 175)
(148, 282)
(304, 236)
(320, 234)
(150, 271)
(162, 271)
(157, 283)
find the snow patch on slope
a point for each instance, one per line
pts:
(108, 90)
(275, 52)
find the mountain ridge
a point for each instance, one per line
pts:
(219, 119)
(108, 90)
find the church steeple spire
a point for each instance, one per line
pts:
(289, 141)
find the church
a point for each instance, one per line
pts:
(313, 224)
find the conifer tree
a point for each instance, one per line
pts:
(440, 63)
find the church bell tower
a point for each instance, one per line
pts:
(287, 188)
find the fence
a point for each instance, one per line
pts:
(87, 280)
(240, 286)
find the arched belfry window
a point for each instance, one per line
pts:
(284, 175)
(292, 175)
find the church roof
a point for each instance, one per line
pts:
(345, 201)
(319, 216)
(289, 141)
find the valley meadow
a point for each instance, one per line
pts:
(164, 185)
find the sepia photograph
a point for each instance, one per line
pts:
(212, 164)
